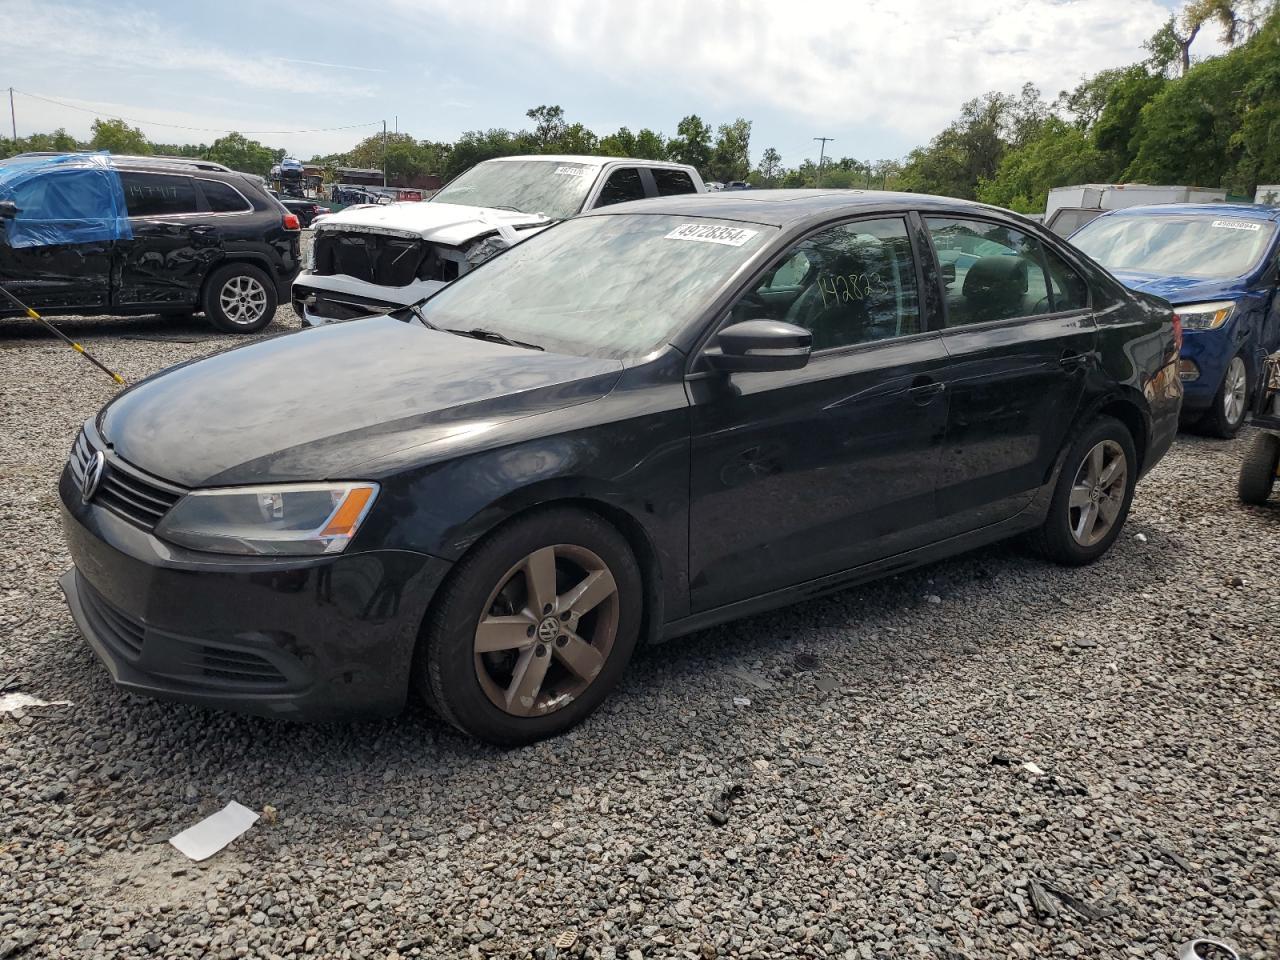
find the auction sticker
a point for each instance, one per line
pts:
(571, 171)
(1237, 225)
(711, 233)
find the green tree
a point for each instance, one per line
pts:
(1060, 154)
(549, 126)
(692, 144)
(117, 136)
(1189, 129)
(650, 145)
(476, 146)
(1118, 131)
(770, 165)
(240, 153)
(731, 155)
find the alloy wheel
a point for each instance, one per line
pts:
(546, 630)
(243, 300)
(1235, 386)
(1098, 493)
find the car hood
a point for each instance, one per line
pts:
(1182, 289)
(449, 223)
(336, 402)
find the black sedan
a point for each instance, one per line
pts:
(641, 422)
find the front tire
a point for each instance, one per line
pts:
(1225, 415)
(1091, 501)
(532, 629)
(240, 298)
(1258, 471)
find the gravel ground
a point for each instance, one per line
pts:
(841, 778)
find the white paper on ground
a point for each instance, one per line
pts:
(214, 832)
(1032, 768)
(10, 702)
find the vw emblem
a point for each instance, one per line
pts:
(548, 629)
(93, 476)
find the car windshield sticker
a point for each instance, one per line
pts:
(1236, 225)
(709, 233)
(571, 171)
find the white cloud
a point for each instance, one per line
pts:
(48, 35)
(902, 65)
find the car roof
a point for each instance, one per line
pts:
(784, 208)
(585, 160)
(1244, 211)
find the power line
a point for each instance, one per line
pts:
(178, 126)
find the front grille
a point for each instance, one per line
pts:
(125, 490)
(378, 258)
(123, 634)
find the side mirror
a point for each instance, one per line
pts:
(760, 345)
(8, 210)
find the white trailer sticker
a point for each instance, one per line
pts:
(1236, 225)
(571, 171)
(710, 233)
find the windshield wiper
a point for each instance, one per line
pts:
(493, 336)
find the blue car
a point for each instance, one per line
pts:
(1218, 264)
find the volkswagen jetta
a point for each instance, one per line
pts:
(641, 422)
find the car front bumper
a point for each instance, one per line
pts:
(319, 638)
(320, 300)
(1210, 351)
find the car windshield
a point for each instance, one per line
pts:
(604, 286)
(554, 188)
(1209, 246)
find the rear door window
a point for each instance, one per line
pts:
(223, 198)
(991, 271)
(672, 182)
(158, 194)
(623, 184)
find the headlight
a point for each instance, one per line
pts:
(1205, 316)
(297, 519)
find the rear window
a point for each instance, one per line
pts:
(158, 195)
(223, 198)
(671, 182)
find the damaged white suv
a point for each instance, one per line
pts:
(372, 259)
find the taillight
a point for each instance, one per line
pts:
(291, 223)
(1177, 333)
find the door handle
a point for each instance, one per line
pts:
(1074, 362)
(924, 390)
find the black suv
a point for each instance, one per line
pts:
(205, 239)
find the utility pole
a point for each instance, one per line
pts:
(384, 153)
(822, 155)
(13, 117)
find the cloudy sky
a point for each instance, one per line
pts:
(880, 76)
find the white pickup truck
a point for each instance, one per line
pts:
(371, 259)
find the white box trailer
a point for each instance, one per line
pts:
(1070, 208)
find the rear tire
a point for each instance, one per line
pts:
(1258, 471)
(1225, 415)
(507, 654)
(1091, 501)
(240, 298)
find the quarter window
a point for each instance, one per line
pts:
(991, 272)
(158, 195)
(849, 284)
(223, 198)
(622, 185)
(1070, 292)
(671, 182)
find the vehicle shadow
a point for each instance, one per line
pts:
(21, 331)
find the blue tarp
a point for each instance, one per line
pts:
(70, 198)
